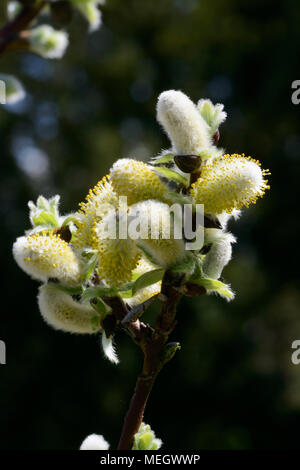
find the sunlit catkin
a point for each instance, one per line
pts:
(229, 183)
(182, 121)
(45, 255)
(136, 180)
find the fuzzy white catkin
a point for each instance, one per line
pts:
(224, 217)
(94, 442)
(186, 128)
(217, 258)
(62, 312)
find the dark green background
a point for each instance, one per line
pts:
(232, 386)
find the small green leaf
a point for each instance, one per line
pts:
(90, 266)
(166, 158)
(99, 306)
(172, 175)
(185, 266)
(88, 252)
(125, 290)
(67, 289)
(205, 155)
(45, 218)
(126, 287)
(147, 279)
(169, 352)
(70, 218)
(148, 255)
(178, 198)
(145, 441)
(97, 291)
(212, 285)
(95, 321)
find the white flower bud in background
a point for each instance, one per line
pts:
(156, 237)
(180, 118)
(62, 312)
(94, 442)
(45, 255)
(214, 115)
(218, 256)
(13, 9)
(12, 91)
(48, 42)
(89, 9)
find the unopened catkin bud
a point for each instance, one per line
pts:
(218, 257)
(145, 439)
(180, 118)
(62, 312)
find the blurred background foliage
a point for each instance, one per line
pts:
(232, 386)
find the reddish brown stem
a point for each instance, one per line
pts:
(9, 32)
(134, 416)
(152, 343)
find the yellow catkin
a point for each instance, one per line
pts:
(45, 255)
(97, 203)
(136, 180)
(117, 260)
(231, 182)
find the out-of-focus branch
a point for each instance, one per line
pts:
(10, 33)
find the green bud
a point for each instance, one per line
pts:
(214, 115)
(145, 439)
(169, 352)
(45, 212)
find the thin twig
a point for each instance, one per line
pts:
(153, 344)
(9, 33)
